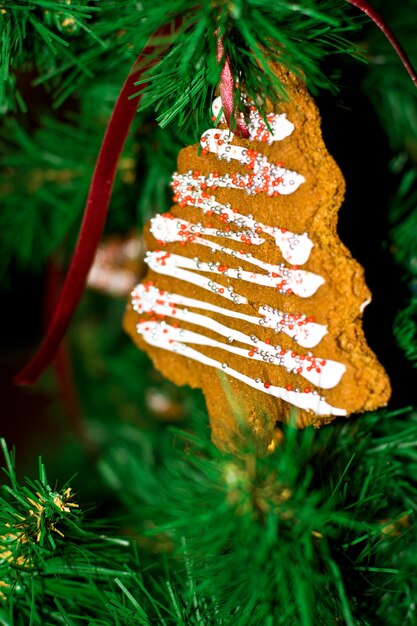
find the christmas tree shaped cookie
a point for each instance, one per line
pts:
(250, 295)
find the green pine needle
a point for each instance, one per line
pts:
(31, 31)
(45, 176)
(259, 539)
(403, 217)
(405, 331)
(254, 35)
(56, 566)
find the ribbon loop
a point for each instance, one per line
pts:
(227, 94)
(95, 214)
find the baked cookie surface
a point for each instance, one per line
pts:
(250, 295)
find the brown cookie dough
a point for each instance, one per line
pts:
(250, 294)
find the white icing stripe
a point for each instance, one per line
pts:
(364, 305)
(279, 126)
(304, 332)
(322, 373)
(287, 281)
(157, 263)
(164, 336)
(294, 248)
(267, 177)
(307, 334)
(260, 176)
(300, 282)
(168, 228)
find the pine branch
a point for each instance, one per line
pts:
(403, 216)
(44, 189)
(68, 45)
(255, 34)
(324, 512)
(33, 35)
(405, 331)
(46, 174)
(58, 567)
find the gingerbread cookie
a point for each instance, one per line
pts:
(250, 294)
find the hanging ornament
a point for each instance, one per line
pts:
(106, 165)
(250, 295)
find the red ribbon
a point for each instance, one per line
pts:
(366, 8)
(227, 94)
(94, 216)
